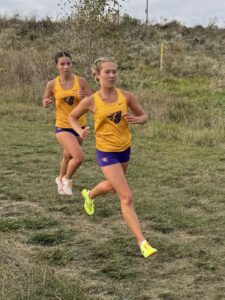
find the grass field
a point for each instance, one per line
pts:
(51, 250)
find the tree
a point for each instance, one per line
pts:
(93, 27)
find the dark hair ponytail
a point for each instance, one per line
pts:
(61, 54)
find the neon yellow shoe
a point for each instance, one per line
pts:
(147, 250)
(88, 203)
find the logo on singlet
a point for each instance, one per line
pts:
(115, 117)
(69, 100)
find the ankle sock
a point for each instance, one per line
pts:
(142, 242)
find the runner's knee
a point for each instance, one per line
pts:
(66, 156)
(78, 158)
(126, 199)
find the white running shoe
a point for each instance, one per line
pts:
(60, 186)
(67, 186)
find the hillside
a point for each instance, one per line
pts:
(188, 93)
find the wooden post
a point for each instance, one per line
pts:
(146, 11)
(161, 56)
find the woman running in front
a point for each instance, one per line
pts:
(68, 90)
(113, 139)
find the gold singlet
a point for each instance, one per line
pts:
(65, 101)
(111, 130)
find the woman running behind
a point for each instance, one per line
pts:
(68, 90)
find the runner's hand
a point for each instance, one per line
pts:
(47, 102)
(130, 119)
(85, 133)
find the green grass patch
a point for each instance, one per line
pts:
(50, 238)
(177, 179)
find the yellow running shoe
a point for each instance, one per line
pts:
(147, 250)
(88, 203)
